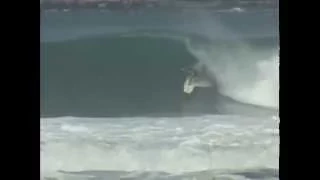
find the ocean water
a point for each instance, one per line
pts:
(112, 100)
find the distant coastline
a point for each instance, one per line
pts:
(236, 5)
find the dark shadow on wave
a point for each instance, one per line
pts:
(112, 77)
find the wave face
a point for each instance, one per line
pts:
(138, 72)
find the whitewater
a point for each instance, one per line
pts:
(204, 147)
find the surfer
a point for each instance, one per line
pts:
(198, 76)
(196, 70)
(193, 78)
(189, 70)
(199, 71)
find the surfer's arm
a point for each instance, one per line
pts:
(184, 70)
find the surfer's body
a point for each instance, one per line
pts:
(197, 77)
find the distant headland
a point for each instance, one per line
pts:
(236, 5)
